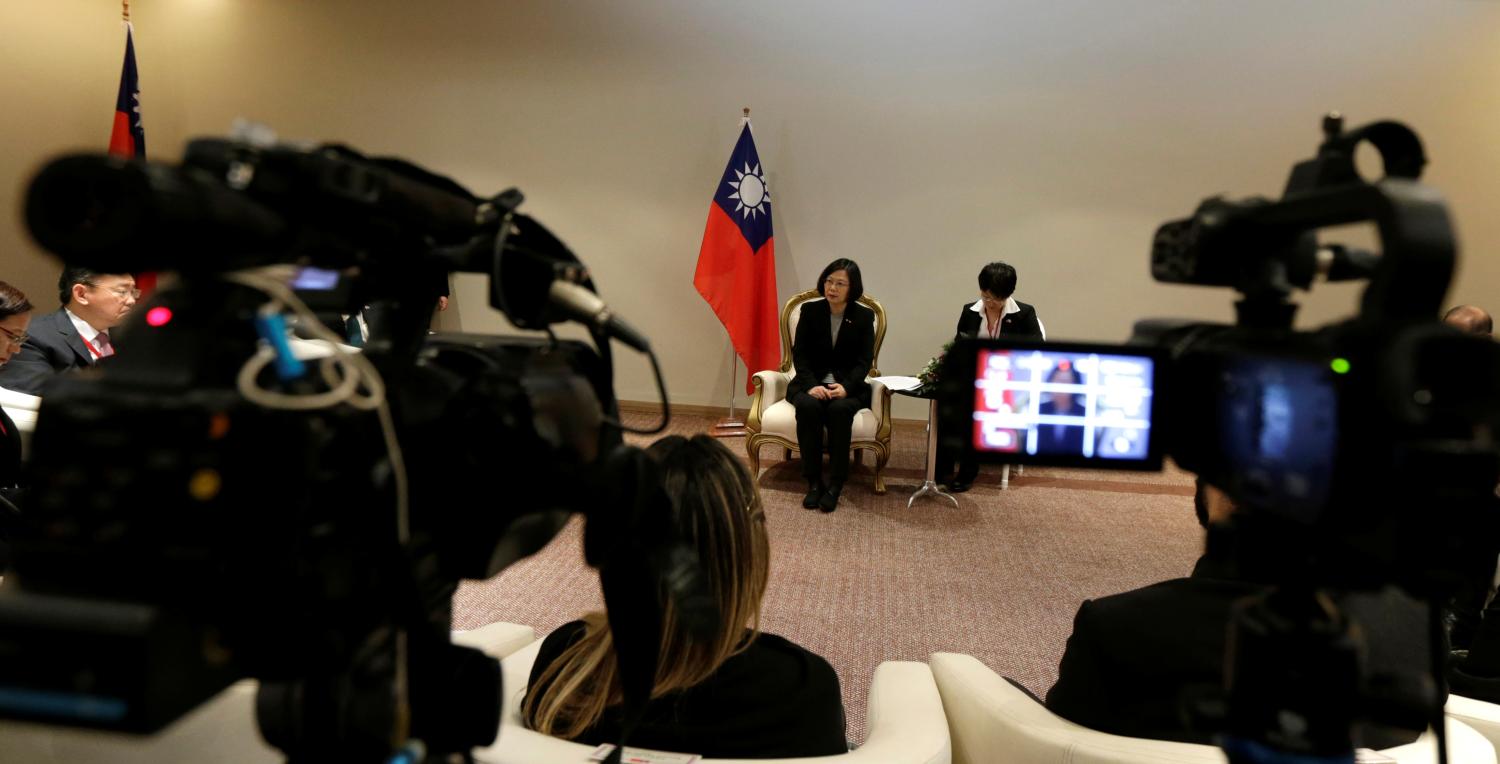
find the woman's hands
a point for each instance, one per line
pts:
(829, 392)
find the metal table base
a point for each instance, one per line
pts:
(930, 486)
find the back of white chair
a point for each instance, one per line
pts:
(906, 723)
(1483, 717)
(991, 720)
(223, 729)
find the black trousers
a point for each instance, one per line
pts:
(813, 417)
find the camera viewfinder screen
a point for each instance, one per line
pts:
(1065, 406)
(315, 279)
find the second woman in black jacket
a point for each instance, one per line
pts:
(994, 315)
(832, 350)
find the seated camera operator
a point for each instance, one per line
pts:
(744, 694)
(1133, 657)
(1467, 608)
(75, 335)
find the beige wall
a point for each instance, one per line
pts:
(920, 139)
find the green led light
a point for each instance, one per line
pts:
(1339, 365)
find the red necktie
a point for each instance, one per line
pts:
(101, 342)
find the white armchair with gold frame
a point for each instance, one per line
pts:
(773, 421)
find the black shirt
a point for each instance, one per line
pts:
(774, 700)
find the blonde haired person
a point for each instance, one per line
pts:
(743, 694)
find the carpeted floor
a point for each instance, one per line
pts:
(999, 577)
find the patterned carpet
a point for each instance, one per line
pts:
(999, 577)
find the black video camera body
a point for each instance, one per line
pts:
(208, 504)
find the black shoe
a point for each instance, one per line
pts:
(830, 500)
(813, 497)
(959, 486)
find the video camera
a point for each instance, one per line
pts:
(233, 498)
(1360, 454)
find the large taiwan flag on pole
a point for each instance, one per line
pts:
(128, 137)
(736, 264)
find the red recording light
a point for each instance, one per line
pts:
(159, 316)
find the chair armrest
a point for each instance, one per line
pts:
(496, 640)
(771, 385)
(1481, 716)
(905, 717)
(990, 719)
(770, 389)
(1464, 744)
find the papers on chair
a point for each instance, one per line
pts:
(644, 756)
(15, 400)
(900, 383)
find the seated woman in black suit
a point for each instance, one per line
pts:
(15, 317)
(995, 314)
(741, 694)
(832, 350)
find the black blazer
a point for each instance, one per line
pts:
(1132, 655)
(52, 347)
(815, 355)
(1022, 324)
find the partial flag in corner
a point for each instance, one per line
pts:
(128, 138)
(736, 264)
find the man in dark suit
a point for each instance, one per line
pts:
(833, 350)
(77, 334)
(1134, 657)
(995, 314)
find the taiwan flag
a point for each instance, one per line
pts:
(128, 138)
(736, 265)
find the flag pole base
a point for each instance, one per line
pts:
(731, 426)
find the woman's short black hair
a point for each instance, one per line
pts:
(856, 283)
(12, 301)
(998, 279)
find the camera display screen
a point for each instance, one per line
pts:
(314, 279)
(1087, 406)
(1278, 425)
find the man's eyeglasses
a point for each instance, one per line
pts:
(121, 291)
(836, 283)
(18, 339)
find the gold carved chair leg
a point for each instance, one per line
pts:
(752, 449)
(882, 456)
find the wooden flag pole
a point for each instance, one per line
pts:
(125, 10)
